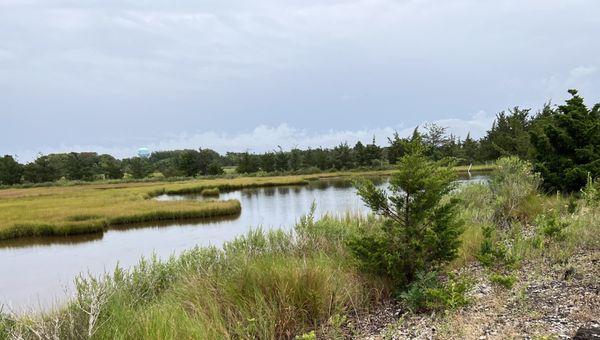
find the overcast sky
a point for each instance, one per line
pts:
(112, 76)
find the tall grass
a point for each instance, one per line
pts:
(264, 285)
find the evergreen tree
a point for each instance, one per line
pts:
(248, 163)
(568, 145)
(421, 231)
(470, 150)
(509, 136)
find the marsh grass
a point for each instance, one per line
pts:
(264, 285)
(63, 210)
(212, 192)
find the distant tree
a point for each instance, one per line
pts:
(360, 155)
(205, 158)
(110, 167)
(189, 162)
(139, 167)
(509, 136)
(295, 159)
(470, 150)
(397, 147)
(321, 158)
(41, 170)
(248, 163)
(215, 168)
(281, 160)
(82, 166)
(372, 153)
(267, 162)
(435, 139)
(342, 156)
(567, 145)
(10, 171)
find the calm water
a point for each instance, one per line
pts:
(38, 273)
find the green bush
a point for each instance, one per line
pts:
(591, 192)
(506, 281)
(493, 252)
(428, 293)
(512, 185)
(420, 231)
(551, 226)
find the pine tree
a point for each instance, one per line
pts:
(421, 231)
(568, 145)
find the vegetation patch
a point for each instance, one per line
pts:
(212, 192)
(506, 281)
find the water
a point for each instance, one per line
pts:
(36, 274)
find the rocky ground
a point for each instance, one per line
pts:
(549, 301)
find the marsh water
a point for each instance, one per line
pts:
(37, 274)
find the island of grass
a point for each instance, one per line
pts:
(210, 192)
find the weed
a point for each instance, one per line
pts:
(506, 281)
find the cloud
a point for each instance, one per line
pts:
(108, 73)
(265, 138)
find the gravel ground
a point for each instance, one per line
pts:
(549, 301)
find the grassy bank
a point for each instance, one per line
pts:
(272, 285)
(72, 210)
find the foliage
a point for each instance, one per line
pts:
(506, 281)
(591, 192)
(551, 226)
(215, 169)
(10, 171)
(139, 167)
(509, 136)
(512, 184)
(493, 252)
(421, 231)
(567, 145)
(428, 293)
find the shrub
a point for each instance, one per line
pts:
(551, 226)
(214, 169)
(492, 252)
(420, 230)
(506, 281)
(512, 185)
(591, 192)
(428, 293)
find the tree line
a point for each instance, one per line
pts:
(563, 143)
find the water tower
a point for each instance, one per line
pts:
(143, 152)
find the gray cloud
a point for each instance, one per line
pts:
(116, 74)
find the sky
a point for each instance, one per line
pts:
(241, 75)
